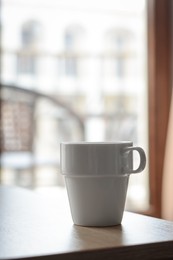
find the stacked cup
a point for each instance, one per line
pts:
(96, 176)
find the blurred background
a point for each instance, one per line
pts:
(72, 71)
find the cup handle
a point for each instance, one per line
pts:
(142, 163)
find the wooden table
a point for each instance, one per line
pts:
(32, 225)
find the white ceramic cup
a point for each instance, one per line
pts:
(96, 176)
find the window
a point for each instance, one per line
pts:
(30, 38)
(73, 42)
(31, 34)
(118, 51)
(26, 64)
(93, 57)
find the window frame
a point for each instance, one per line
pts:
(159, 26)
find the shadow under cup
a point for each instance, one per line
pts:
(96, 177)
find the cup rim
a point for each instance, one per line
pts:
(95, 176)
(96, 143)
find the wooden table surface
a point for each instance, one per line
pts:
(33, 225)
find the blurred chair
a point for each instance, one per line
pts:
(167, 187)
(23, 114)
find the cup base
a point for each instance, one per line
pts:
(96, 226)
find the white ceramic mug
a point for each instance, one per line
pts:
(96, 176)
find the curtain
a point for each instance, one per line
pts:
(167, 187)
